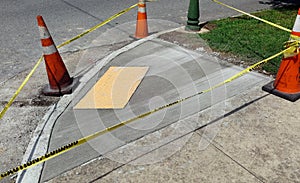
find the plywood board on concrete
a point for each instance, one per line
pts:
(114, 89)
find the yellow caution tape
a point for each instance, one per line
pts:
(257, 18)
(98, 26)
(20, 88)
(61, 45)
(248, 69)
(294, 48)
(83, 140)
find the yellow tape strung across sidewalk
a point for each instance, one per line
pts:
(97, 26)
(257, 18)
(83, 140)
(59, 46)
(20, 88)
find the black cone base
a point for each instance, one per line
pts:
(62, 91)
(288, 96)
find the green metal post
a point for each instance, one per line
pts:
(193, 16)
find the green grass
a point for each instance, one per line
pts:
(250, 39)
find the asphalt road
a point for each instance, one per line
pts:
(20, 46)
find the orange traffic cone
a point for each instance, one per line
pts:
(60, 82)
(141, 23)
(287, 82)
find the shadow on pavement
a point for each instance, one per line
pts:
(192, 131)
(232, 112)
(281, 3)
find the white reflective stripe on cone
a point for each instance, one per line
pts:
(48, 50)
(142, 9)
(296, 27)
(44, 33)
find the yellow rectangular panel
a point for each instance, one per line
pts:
(114, 89)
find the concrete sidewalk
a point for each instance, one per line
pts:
(233, 134)
(257, 141)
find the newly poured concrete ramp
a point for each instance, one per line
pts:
(174, 73)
